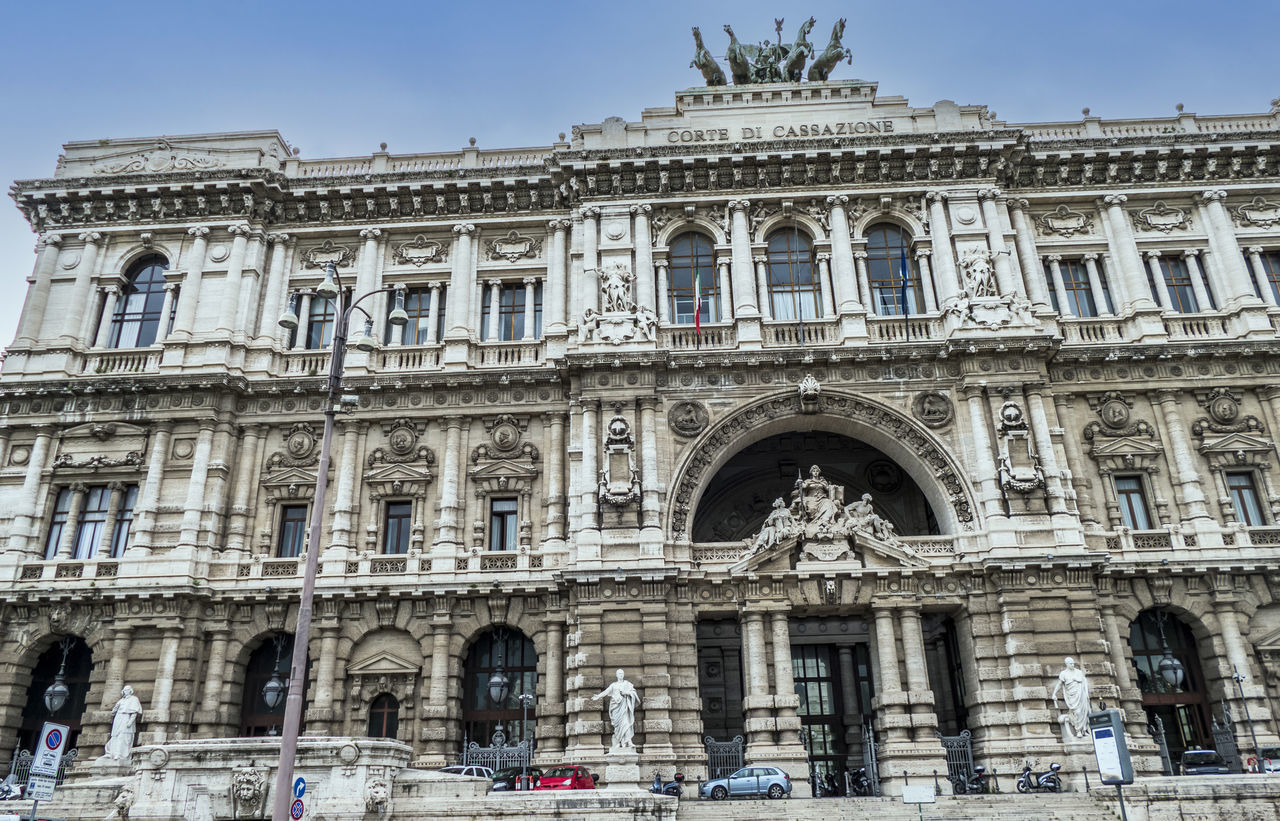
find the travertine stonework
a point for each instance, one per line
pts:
(989, 427)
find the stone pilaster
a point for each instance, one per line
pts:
(37, 300)
(189, 296)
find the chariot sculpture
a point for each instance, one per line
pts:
(775, 62)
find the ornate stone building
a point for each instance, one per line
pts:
(1053, 435)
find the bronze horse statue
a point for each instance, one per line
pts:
(740, 58)
(801, 50)
(821, 68)
(704, 62)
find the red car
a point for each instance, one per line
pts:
(567, 778)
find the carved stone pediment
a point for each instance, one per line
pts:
(383, 663)
(397, 480)
(504, 475)
(289, 483)
(163, 157)
(98, 446)
(1237, 450)
(1126, 453)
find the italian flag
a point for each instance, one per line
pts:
(697, 304)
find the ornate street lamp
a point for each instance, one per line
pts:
(499, 687)
(1169, 668)
(330, 288)
(56, 694)
(273, 692)
(1240, 678)
(526, 700)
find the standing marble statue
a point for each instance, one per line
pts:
(1075, 692)
(124, 723)
(623, 700)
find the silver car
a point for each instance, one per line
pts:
(754, 781)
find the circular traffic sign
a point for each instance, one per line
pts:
(53, 740)
(299, 787)
(295, 812)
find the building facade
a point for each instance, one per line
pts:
(1015, 386)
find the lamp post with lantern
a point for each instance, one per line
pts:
(330, 289)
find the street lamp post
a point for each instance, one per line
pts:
(330, 288)
(1239, 678)
(525, 700)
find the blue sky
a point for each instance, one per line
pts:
(337, 78)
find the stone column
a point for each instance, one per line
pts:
(926, 280)
(589, 287)
(158, 715)
(1025, 241)
(825, 285)
(590, 455)
(1192, 258)
(745, 304)
(889, 700)
(189, 298)
(109, 526)
(844, 284)
(1059, 287)
(553, 691)
(644, 257)
(1044, 447)
(194, 508)
(245, 483)
(166, 310)
(724, 288)
(460, 283)
(304, 319)
(1005, 278)
(1124, 253)
(103, 335)
(530, 315)
(849, 700)
(1157, 277)
(78, 305)
(366, 271)
(436, 712)
(1260, 277)
(144, 514)
(984, 456)
(924, 720)
(214, 674)
(557, 277)
(762, 286)
(32, 316)
(784, 686)
(1095, 284)
(113, 681)
(326, 668)
(26, 525)
(67, 540)
(555, 477)
(495, 305)
(1130, 697)
(947, 282)
(864, 283)
(235, 274)
(754, 652)
(450, 497)
(1237, 286)
(1238, 656)
(274, 288)
(664, 299)
(433, 316)
(650, 503)
(1186, 471)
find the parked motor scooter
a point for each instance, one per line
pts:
(859, 784)
(671, 787)
(973, 784)
(1045, 782)
(10, 789)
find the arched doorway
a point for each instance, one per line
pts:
(74, 674)
(739, 496)
(501, 666)
(261, 711)
(1169, 675)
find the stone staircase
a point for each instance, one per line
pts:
(1003, 807)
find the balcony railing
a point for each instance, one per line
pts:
(409, 358)
(139, 360)
(683, 338)
(1090, 330)
(898, 329)
(1196, 326)
(801, 334)
(507, 354)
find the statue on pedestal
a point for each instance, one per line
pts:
(623, 700)
(1075, 692)
(124, 724)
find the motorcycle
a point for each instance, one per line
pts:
(1045, 782)
(859, 784)
(10, 789)
(975, 783)
(672, 787)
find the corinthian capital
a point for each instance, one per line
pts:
(369, 234)
(199, 232)
(91, 237)
(51, 240)
(1153, 254)
(239, 229)
(466, 229)
(590, 212)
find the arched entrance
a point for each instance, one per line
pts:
(74, 674)
(1171, 679)
(501, 666)
(261, 713)
(737, 500)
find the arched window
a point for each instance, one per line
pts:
(136, 321)
(320, 323)
(499, 656)
(257, 716)
(887, 247)
(384, 717)
(79, 664)
(793, 279)
(1179, 700)
(692, 255)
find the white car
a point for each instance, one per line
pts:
(473, 771)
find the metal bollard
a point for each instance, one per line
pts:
(995, 780)
(936, 790)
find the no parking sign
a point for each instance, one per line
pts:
(48, 754)
(295, 812)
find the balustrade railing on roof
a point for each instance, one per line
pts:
(341, 167)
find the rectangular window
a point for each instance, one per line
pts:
(1271, 268)
(124, 521)
(59, 521)
(293, 529)
(1075, 281)
(1177, 279)
(1244, 495)
(320, 323)
(396, 530)
(417, 304)
(502, 524)
(1133, 503)
(511, 306)
(93, 517)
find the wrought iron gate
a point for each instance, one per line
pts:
(20, 766)
(723, 757)
(498, 755)
(1224, 741)
(959, 749)
(869, 757)
(1156, 728)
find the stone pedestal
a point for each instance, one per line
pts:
(622, 770)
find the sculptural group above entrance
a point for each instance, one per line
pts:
(774, 62)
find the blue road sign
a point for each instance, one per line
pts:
(299, 787)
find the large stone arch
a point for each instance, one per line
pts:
(910, 444)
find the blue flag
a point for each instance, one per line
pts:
(906, 287)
